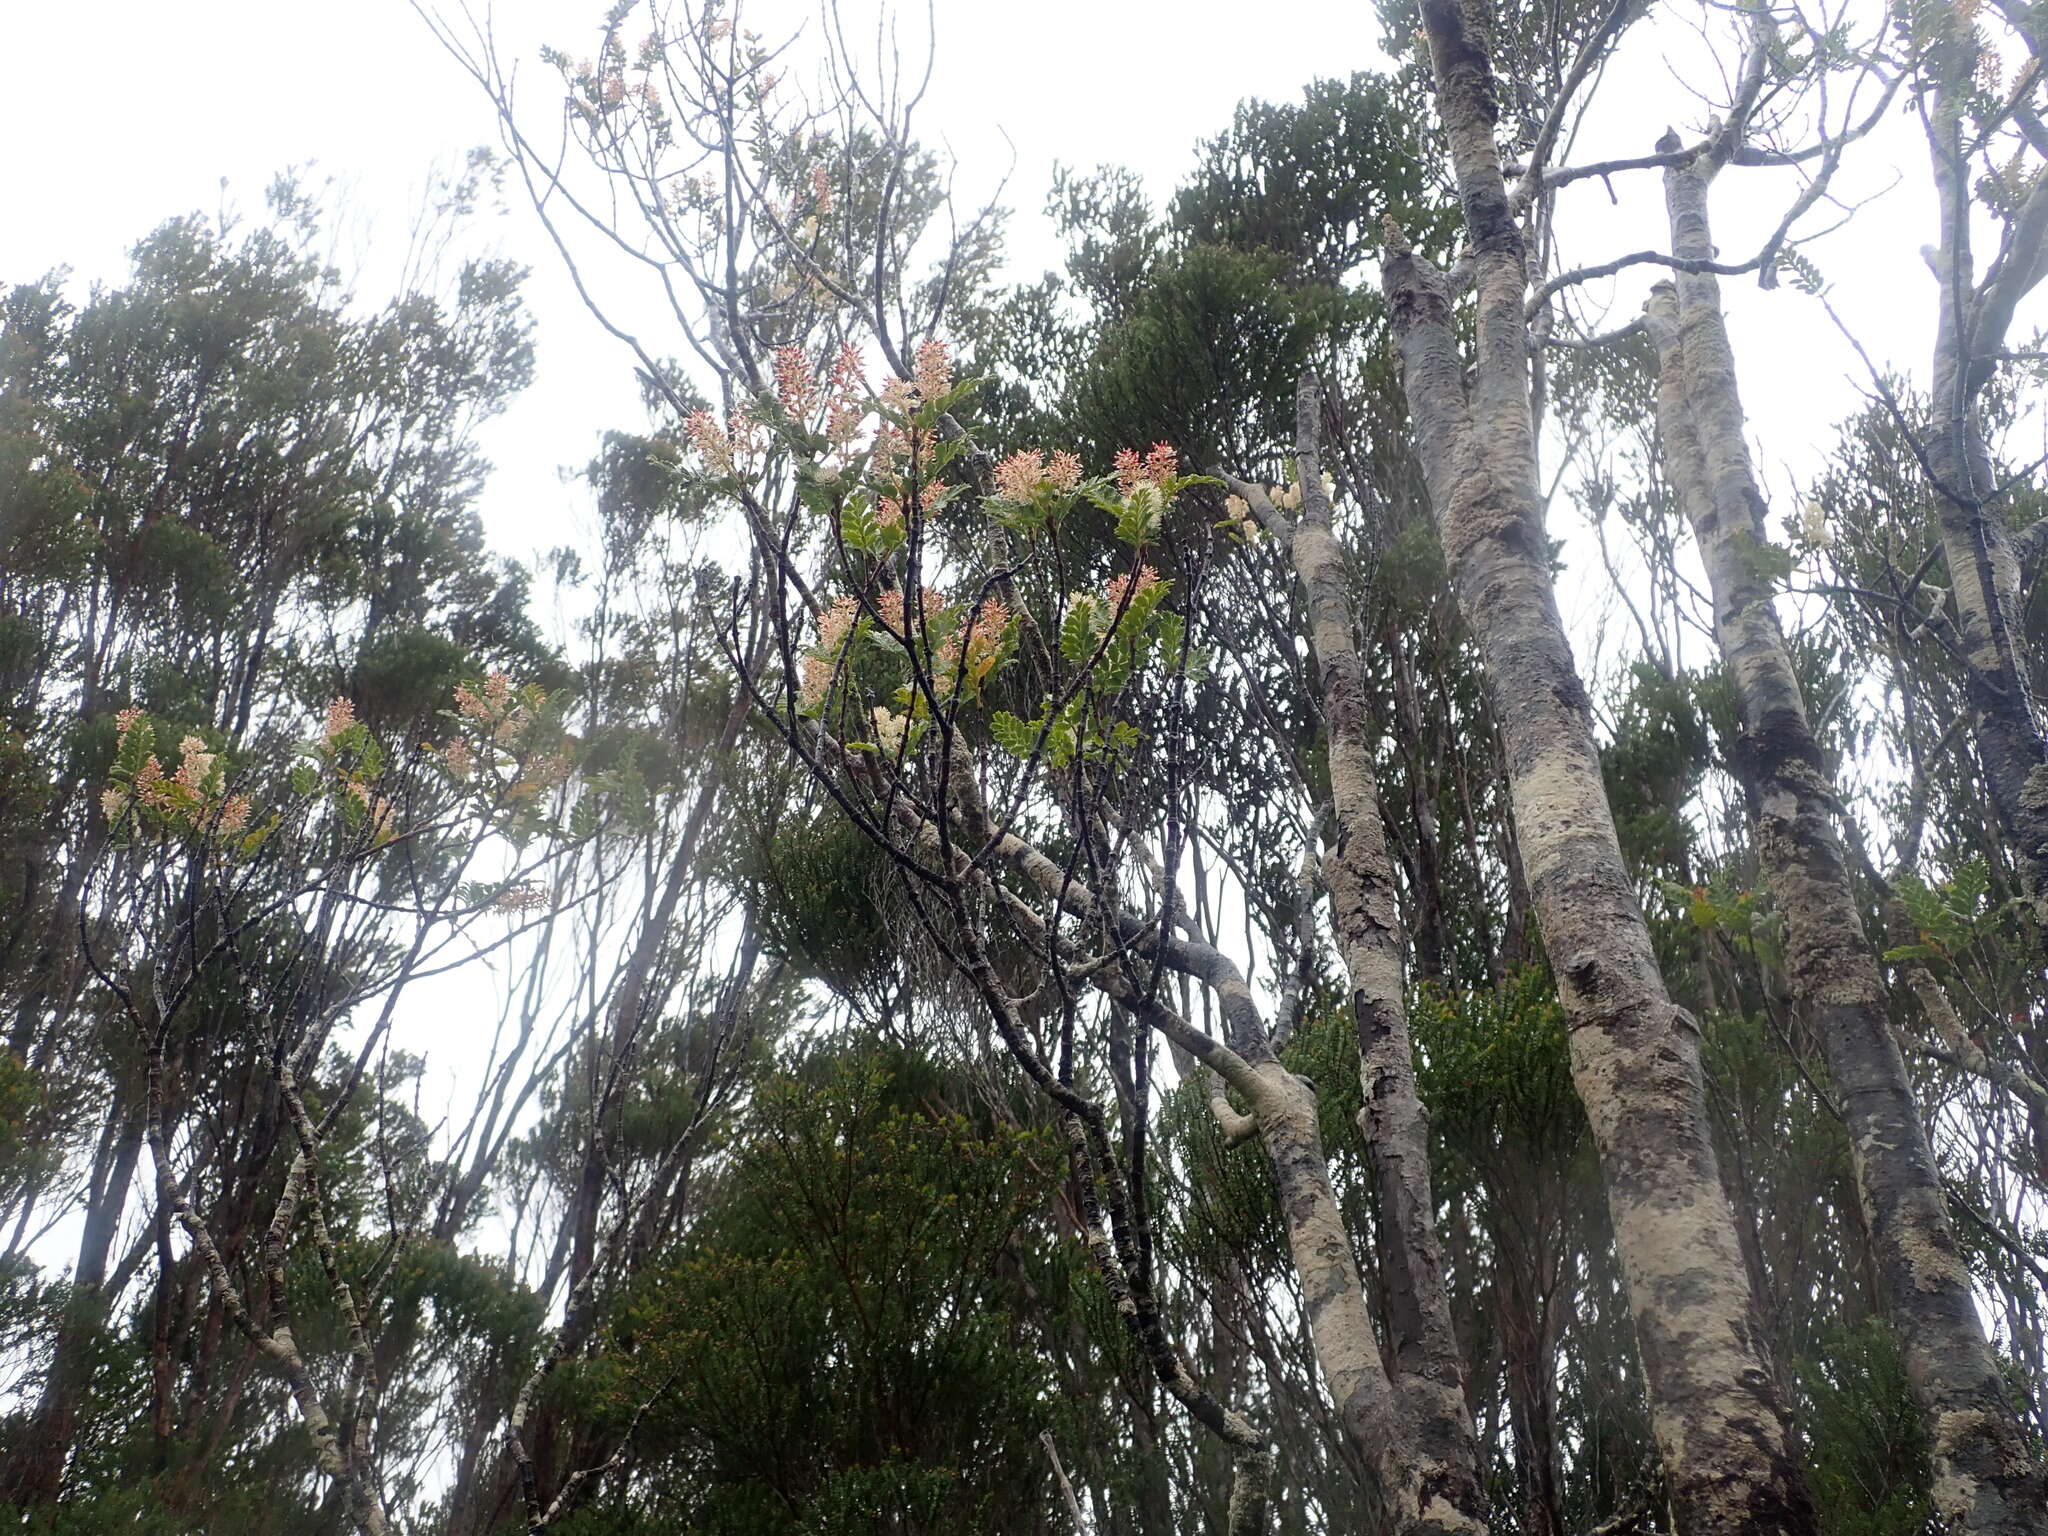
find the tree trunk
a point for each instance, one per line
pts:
(1425, 1492)
(1983, 568)
(37, 1474)
(1985, 1480)
(1428, 1376)
(1720, 1420)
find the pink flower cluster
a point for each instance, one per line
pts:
(931, 375)
(1023, 473)
(457, 758)
(709, 439)
(503, 739)
(794, 386)
(341, 714)
(932, 369)
(816, 680)
(848, 406)
(1158, 465)
(971, 650)
(890, 445)
(722, 448)
(488, 706)
(183, 797)
(890, 606)
(1127, 589)
(987, 626)
(528, 896)
(889, 511)
(835, 623)
(195, 764)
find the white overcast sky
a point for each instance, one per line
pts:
(119, 113)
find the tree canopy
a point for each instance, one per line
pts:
(1048, 922)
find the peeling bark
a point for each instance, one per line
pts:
(1720, 1421)
(1985, 1478)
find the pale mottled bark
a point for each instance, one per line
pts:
(1983, 566)
(341, 1452)
(1985, 1479)
(1719, 1417)
(1073, 1504)
(1358, 874)
(1424, 1492)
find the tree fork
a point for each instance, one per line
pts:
(1719, 1417)
(1358, 873)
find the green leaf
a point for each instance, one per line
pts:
(136, 747)
(1168, 636)
(1138, 518)
(857, 525)
(1968, 886)
(1014, 736)
(1059, 741)
(1769, 563)
(1077, 633)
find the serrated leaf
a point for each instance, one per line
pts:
(816, 496)
(1104, 495)
(1077, 633)
(1138, 517)
(1059, 743)
(1168, 637)
(857, 524)
(1015, 517)
(1768, 562)
(1014, 736)
(1967, 887)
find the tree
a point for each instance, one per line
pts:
(1722, 1424)
(1987, 1477)
(1059, 915)
(233, 499)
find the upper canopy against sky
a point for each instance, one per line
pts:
(143, 109)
